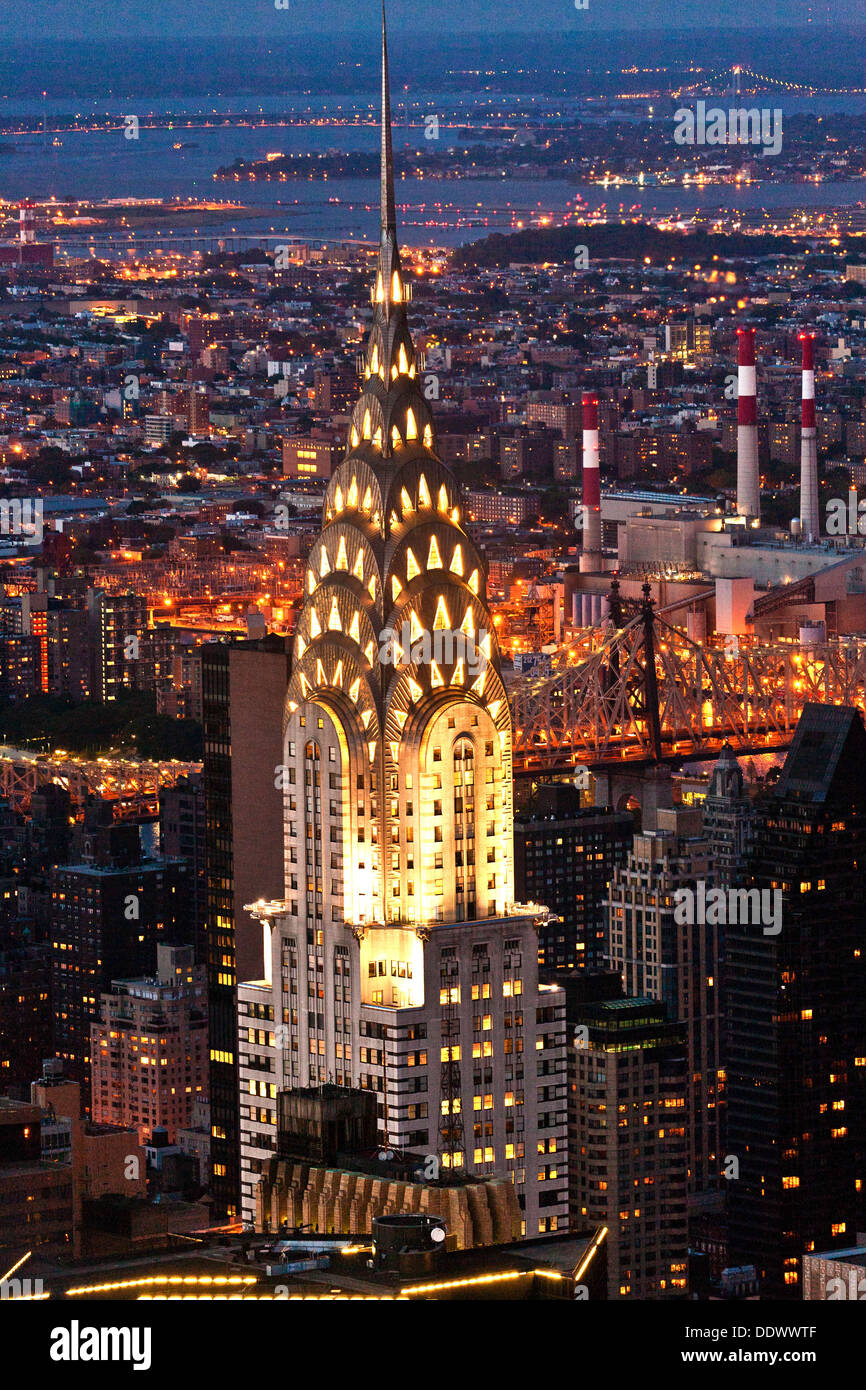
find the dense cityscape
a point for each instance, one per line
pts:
(432, 690)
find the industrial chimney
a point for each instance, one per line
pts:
(26, 224)
(591, 557)
(748, 476)
(809, 444)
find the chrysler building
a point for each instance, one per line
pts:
(398, 960)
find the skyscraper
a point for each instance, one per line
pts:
(797, 1012)
(120, 643)
(564, 856)
(106, 922)
(243, 693)
(398, 960)
(182, 836)
(727, 809)
(628, 1138)
(678, 963)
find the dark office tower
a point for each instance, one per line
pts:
(797, 1012)
(68, 651)
(564, 857)
(120, 643)
(36, 1198)
(106, 922)
(225, 1178)
(25, 1010)
(678, 963)
(20, 664)
(47, 839)
(727, 809)
(243, 696)
(182, 836)
(627, 1141)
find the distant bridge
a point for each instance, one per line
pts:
(740, 78)
(132, 784)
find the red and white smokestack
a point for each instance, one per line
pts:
(590, 557)
(26, 224)
(809, 517)
(748, 476)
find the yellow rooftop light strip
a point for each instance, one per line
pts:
(273, 1298)
(590, 1254)
(468, 1283)
(17, 1265)
(218, 1280)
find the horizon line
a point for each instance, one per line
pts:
(107, 36)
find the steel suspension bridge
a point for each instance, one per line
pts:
(643, 692)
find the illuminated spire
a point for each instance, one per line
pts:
(389, 213)
(400, 562)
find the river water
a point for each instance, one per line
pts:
(105, 164)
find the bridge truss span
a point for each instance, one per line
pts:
(648, 692)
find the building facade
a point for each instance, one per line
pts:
(628, 1143)
(678, 963)
(106, 922)
(149, 1049)
(243, 694)
(565, 856)
(727, 810)
(120, 643)
(797, 1013)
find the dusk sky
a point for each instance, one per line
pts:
(92, 19)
